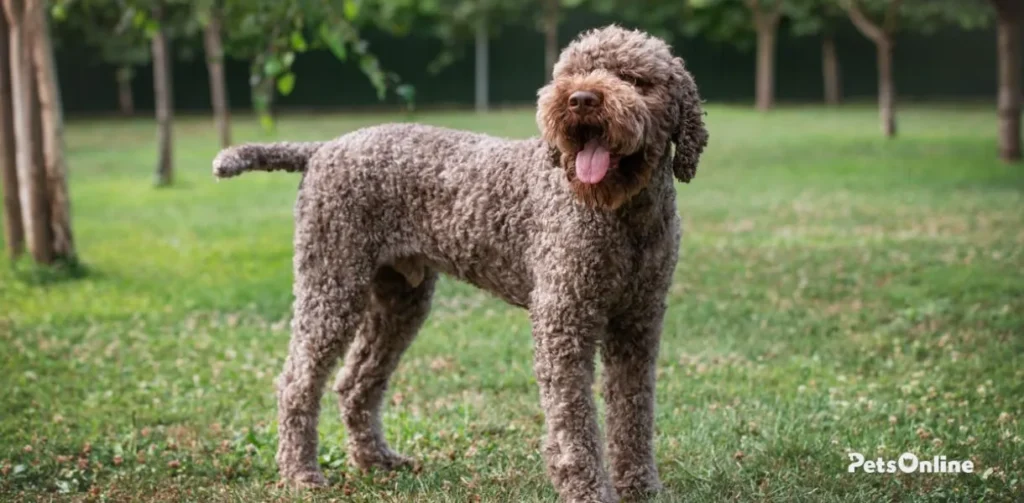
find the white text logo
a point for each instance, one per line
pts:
(908, 463)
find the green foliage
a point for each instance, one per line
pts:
(659, 17)
(104, 25)
(731, 21)
(286, 83)
(455, 22)
(271, 34)
(928, 16)
(727, 21)
(721, 20)
(811, 17)
(835, 291)
(121, 30)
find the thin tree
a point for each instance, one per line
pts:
(164, 96)
(550, 26)
(766, 16)
(481, 65)
(215, 65)
(830, 68)
(124, 75)
(736, 22)
(819, 18)
(28, 136)
(51, 121)
(1008, 26)
(14, 231)
(882, 35)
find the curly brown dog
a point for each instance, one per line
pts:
(578, 226)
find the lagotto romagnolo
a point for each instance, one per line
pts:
(578, 225)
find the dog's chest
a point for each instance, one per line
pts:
(647, 258)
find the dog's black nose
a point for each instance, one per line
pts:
(582, 100)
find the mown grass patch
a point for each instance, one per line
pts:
(836, 292)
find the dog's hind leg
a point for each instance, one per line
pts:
(397, 310)
(333, 274)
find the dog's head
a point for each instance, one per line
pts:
(617, 100)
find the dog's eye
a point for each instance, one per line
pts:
(642, 85)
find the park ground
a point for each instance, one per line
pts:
(836, 292)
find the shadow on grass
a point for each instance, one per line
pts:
(61, 271)
(177, 184)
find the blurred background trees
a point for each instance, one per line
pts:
(881, 20)
(141, 47)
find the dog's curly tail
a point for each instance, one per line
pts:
(282, 156)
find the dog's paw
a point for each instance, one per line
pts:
(638, 486)
(379, 459)
(606, 497)
(309, 479)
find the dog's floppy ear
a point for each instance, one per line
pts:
(690, 136)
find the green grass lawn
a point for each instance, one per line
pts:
(836, 292)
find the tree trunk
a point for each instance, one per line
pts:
(218, 87)
(886, 89)
(766, 24)
(550, 37)
(482, 65)
(1009, 106)
(28, 136)
(14, 231)
(125, 98)
(765, 90)
(51, 117)
(164, 95)
(882, 35)
(830, 70)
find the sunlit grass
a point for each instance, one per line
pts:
(836, 291)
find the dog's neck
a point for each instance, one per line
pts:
(655, 198)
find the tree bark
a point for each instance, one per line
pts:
(886, 89)
(125, 98)
(28, 136)
(1009, 98)
(550, 37)
(164, 95)
(14, 231)
(830, 70)
(766, 23)
(482, 65)
(882, 36)
(51, 119)
(218, 87)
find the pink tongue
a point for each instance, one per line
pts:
(592, 162)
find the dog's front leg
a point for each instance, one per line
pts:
(630, 355)
(565, 338)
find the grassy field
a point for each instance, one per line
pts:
(837, 292)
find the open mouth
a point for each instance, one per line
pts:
(594, 160)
